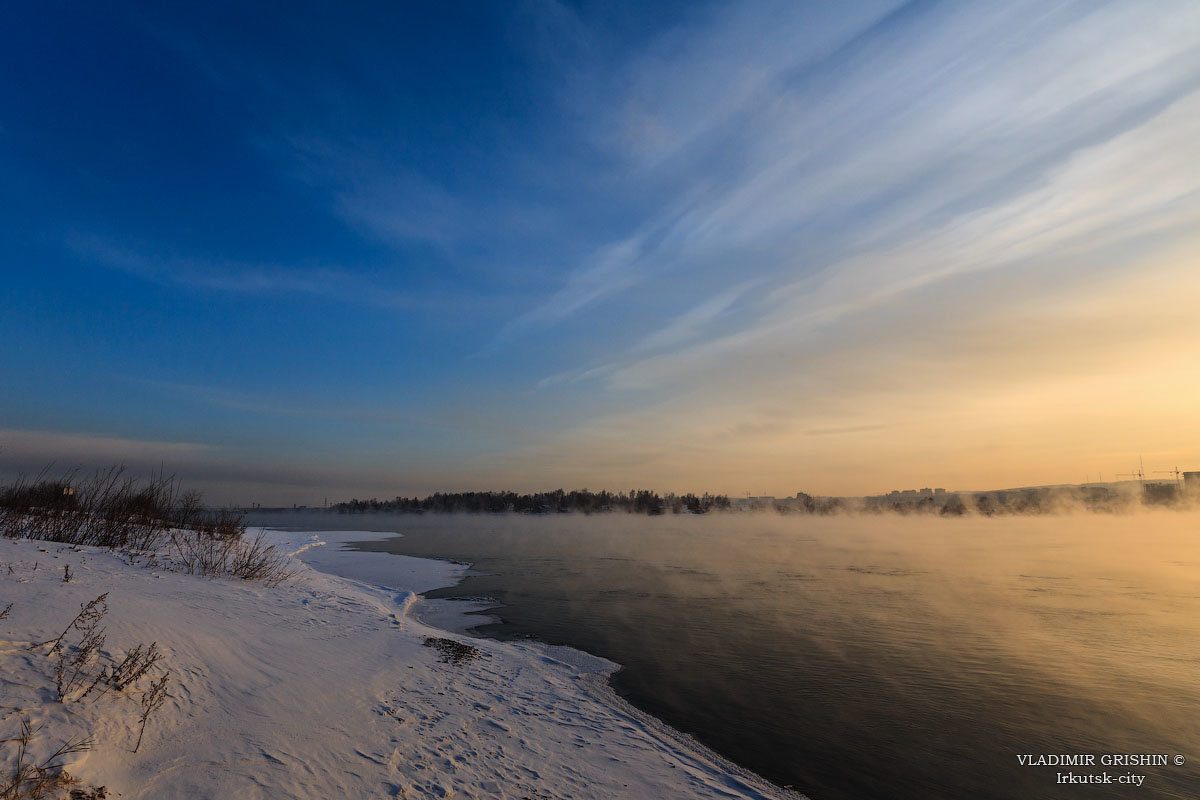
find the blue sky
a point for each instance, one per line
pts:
(294, 251)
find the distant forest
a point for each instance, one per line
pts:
(1026, 501)
(641, 501)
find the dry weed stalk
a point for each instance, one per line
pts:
(77, 669)
(152, 700)
(137, 662)
(89, 615)
(28, 780)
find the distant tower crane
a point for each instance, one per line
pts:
(1178, 475)
(1139, 473)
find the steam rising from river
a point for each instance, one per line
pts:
(867, 655)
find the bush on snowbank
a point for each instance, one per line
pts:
(110, 509)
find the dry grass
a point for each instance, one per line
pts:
(81, 668)
(28, 779)
(82, 671)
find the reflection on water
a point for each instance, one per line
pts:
(864, 657)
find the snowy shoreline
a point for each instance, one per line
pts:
(324, 688)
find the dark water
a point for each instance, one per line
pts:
(866, 657)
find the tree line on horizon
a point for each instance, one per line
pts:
(640, 501)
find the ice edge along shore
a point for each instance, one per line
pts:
(323, 688)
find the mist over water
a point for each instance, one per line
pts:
(865, 656)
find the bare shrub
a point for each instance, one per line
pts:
(38, 509)
(205, 550)
(221, 550)
(121, 512)
(256, 560)
(109, 509)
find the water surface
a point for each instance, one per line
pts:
(865, 657)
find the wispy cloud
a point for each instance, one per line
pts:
(872, 129)
(1132, 186)
(293, 404)
(236, 277)
(750, 239)
(374, 193)
(28, 449)
(576, 375)
(224, 474)
(844, 430)
(693, 323)
(943, 213)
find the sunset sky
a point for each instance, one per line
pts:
(295, 251)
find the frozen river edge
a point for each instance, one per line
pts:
(324, 688)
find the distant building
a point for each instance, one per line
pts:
(753, 503)
(912, 494)
(1161, 493)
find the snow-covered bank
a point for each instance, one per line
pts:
(323, 688)
(323, 551)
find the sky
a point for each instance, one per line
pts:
(293, 251)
